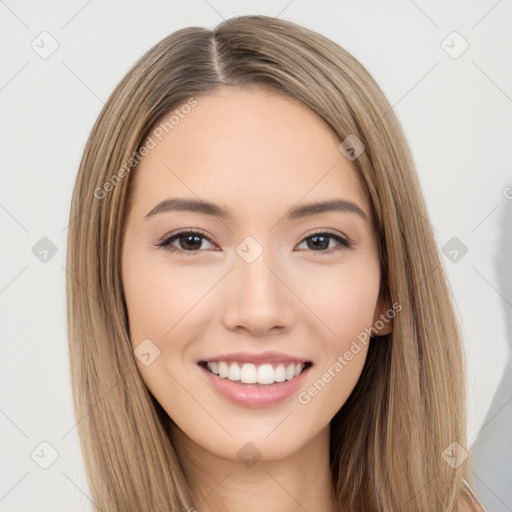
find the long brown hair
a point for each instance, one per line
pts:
(388, 440)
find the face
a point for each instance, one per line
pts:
(256, 286)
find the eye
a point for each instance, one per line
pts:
(188, 241)
(191, 241)
(320, 242)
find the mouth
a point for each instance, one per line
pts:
(264, 374)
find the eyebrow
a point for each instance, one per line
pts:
(297, 212)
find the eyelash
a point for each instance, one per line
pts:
(343, 243)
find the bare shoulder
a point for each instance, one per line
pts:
(469, 501)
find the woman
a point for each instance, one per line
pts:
(258, 315)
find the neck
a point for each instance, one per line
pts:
(302, 481)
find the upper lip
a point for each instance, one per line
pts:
(256, 358)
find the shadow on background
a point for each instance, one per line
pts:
(492, 450)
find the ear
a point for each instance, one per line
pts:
(382, 323)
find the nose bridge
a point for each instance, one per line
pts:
(258, 298)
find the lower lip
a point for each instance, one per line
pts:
(255, 395)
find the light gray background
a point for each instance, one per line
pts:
(456, 113)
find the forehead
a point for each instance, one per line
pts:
(251, 149)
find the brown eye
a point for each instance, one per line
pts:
(320, 242)
(187, 241)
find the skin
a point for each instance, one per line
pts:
(259, 154)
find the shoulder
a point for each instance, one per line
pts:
(469, 501)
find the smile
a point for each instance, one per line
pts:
(248, 373)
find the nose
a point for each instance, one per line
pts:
(260, 300)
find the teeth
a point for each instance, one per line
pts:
(223, 370)
(234, 372)
(256, 374)
(265, 374)
(280, 373)
(248, 374)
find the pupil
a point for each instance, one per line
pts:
(324, 244)
(197, 242)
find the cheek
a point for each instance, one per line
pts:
(161, 301)
(159, 296)
(170, 306)
(344, 299)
